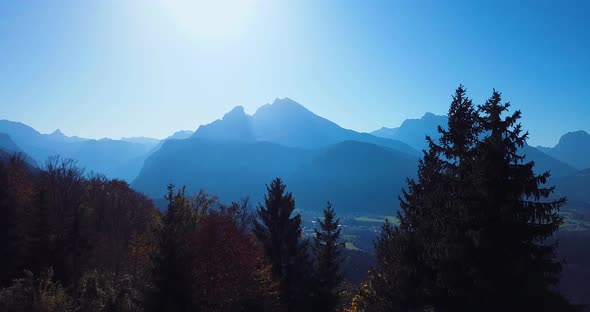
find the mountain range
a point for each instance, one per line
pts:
(238, 154)
(114, 158)
(573, 148)
(8, 148)
(414, 131)
(288, 123)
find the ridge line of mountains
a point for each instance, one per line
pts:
(235, 156)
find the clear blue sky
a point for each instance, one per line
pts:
(111, 68)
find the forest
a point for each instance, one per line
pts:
(476, 232)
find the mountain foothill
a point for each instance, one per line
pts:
(235, 156)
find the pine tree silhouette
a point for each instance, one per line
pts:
(473, 226)
(327, 248)
(513, 219)
(279, 233)
(172, 271)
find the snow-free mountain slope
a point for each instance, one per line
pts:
(288, 123)
(572, 148)
(106, 156)
(414, 131)
(236, 125)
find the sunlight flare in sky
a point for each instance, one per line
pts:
(205, 19)
(178, 64)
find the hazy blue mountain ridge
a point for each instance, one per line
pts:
(238, 154)
(236, 125)
(354, 175)
(103, 156)
(8, 148)
(414, 131)
(235, 156)
(151, 142)
(573, 148)
(289, 123)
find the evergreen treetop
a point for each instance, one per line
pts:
(327, 248)
(474, 225)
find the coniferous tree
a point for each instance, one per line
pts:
(327, 247)
(473, 226)
(172, 277)
(513, 219)
(384, 290)
(279, 232)
(406, 271)
(450, 177)
(417, 261)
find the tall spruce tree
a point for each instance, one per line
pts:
(327, 248)
(172, 272)
(279, 232)
(418, 260)
(383, 281)
(473, 227)
(513, 219)
(449, 202)
(405, 276)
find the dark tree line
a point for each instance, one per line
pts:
(208, 260)
(473, 235)
(305, 284)
(327, 247)
(474, 226)
(70, 241)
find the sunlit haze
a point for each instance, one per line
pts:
(149, 68)
(294, 155)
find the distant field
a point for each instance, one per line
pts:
(573, 221)
(378, 219)
(351, 246)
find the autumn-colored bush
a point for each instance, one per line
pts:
(35, 294)
(229, 269)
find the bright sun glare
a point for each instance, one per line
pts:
(209, 19)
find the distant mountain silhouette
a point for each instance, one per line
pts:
(102, 156)
(234, 126)
(238, 154)
(8, 148)
(7, 145)
(544, 162)
(414, 131)
(575, 187)
(151, 142)
(22, 134)
(572, 148)
(180, 135)
(354, 175)
(109, 157)
(228, 169)
(288, 123)
(58, 136)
